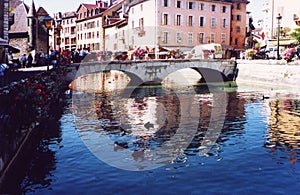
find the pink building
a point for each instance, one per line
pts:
(179, 23)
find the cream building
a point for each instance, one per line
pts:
(68, 33)
(89, 26)
(286, 8)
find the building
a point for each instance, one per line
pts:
(89, 31)
(3, 30)
(271, 9)
(115, 27)
(28, 33)
(239, 21)
(124, 25)
(68, 33)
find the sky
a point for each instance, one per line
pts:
(54, 6)
(255, 7)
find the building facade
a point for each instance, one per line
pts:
(28, 33)
(179, 24)
(68, 32)
(89, 31)
(287, 9)
(239, 23)
(4, 27)
(169, 24)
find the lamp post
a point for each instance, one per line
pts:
(48, 23)
(279, 17)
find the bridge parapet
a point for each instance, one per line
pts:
(157, 70)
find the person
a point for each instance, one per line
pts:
(3, 68)
(29, 60)
(23, 60)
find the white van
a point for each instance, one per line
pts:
(206, 51)
(272, 51)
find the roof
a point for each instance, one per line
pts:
(42, 12)
(20, 24)
(32, 10)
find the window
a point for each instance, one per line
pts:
(141, 24)
(178, 20)
(178, 4)
(200, 38)
(202, 6)
(236, 41)
(190, 38)
(132, 24)
(224, 9)
(165, 19)
(190, 20)
(191, 5)
(223, 38)
(238, 29)
(224, 23)
(132, 11)
(238, 17)
(213, 22)
(238, 6)
(166, 3)
(212, 38)
(213, 8)
(201, 21)
(141, 7)
(165, 39)
(178, 37)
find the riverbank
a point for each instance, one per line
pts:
(268, 75)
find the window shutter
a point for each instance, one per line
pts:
(193, 20)
(181, 20)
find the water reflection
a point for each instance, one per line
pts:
(150, 118)
(258, 142)
(284, 127)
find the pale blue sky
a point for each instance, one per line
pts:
(54, 6)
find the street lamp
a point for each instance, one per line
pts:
(279, 17)
(48, 23)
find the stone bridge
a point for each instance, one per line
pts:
(149, 71)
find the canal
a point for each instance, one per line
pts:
(176, 138)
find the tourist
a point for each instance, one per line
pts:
(29, 60)
(23, 60)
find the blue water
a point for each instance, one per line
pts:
(245, 159)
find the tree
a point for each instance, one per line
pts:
(296, 34)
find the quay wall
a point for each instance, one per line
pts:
(269, 73)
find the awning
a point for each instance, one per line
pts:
(227, 47)
(3, 42)
(282, 42)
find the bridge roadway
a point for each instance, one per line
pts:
(148, 71)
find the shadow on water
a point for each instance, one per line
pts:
(36, 162)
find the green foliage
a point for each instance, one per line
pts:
(10, 9)
(296, 34)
